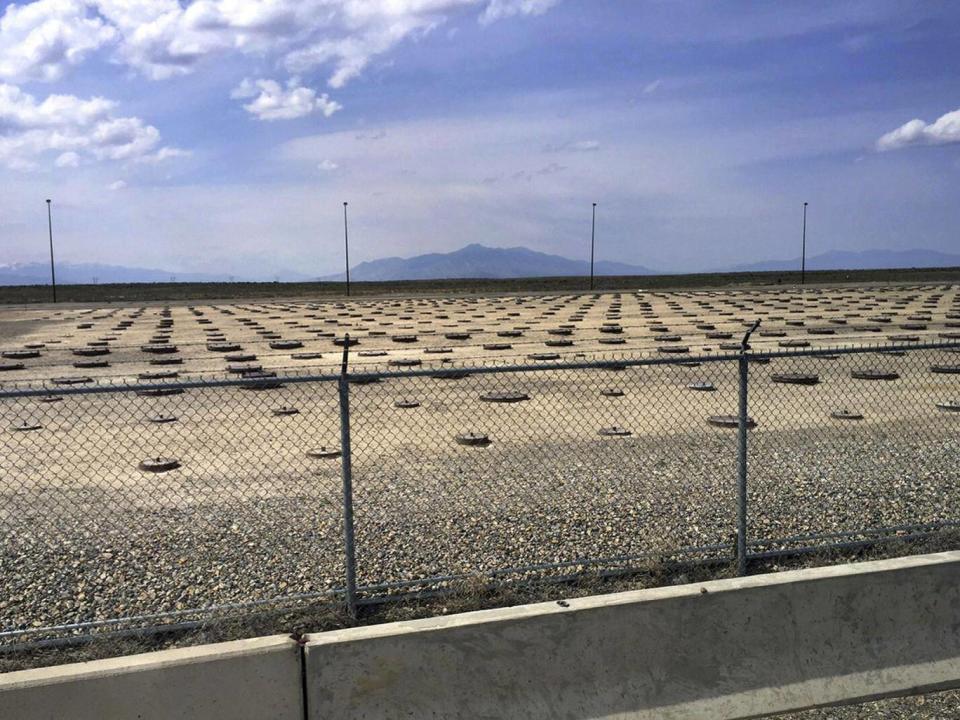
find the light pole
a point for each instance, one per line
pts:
(346, 247)
(593, 235)
(803, 248)
(53, 274)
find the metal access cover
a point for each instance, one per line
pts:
(25, 426)
(504, 397)
(614, 431)
(612, 392)
(404, 362)
(11, 366)
(286, 344)
(873, 375)
(307, 356)
(162, 375)
(795, 378)
(77, 380)
(160, 392)
(543, 356)
(845, 414)
(344, 342)
(87, 364)
(702, 386)
(949, 406)
(729, 421)
(159, 464)
(167, 361)
(406, 404)
(473, 439)
(283, 411)
(20, 354)
(674, 349)
(457, 336)
(159, 348)
(404, 338)
(50, 399)
(162, 419)
(222, 347)
(91, 351)
(945, 369)
(323, 453)
(497, 346)
(794, 343)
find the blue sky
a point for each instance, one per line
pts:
(223, 135)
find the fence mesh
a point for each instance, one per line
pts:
(545, 469)
(850, 442)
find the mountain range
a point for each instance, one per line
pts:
(472, 261)
(480, 261)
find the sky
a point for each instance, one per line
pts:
(225, 135)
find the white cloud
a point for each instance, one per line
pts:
(69, 126)
(327, 165)
(164, 38)
(652, 86)
(499, 9)
(271, 101)
(117, 185)
(945, 129)
(67, 159)
(40, 40)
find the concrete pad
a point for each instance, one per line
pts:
(734, 648)
(245, 679)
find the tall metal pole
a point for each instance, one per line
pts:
(53, 273)
(346, 246)
(593, 235)
(803, 250)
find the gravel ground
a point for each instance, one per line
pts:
(935, 706)
(87, 535)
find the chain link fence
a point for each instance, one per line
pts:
(154, 503)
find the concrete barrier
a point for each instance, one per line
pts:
(723, 649)
(245, 679)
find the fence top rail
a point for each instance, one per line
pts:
(48, 388)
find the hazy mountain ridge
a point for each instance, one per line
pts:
(472, 261)
(84, 274)
(480, 261)
(862, 260)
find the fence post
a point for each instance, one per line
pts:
(350, 559)
(742, 453)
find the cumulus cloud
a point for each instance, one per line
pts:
(272, 101)
(945, 129)
(67, 159)
(117, 185)
(499, 9)
(163, 38)
(40, 40)
(327, 165)
(70, 127)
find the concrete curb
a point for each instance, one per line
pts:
(244, 679)
(734, 648)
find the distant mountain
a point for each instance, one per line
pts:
(480, 261)
(86, 273)
(865, 260)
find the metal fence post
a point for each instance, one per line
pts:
(350, 559)
(742, 453)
